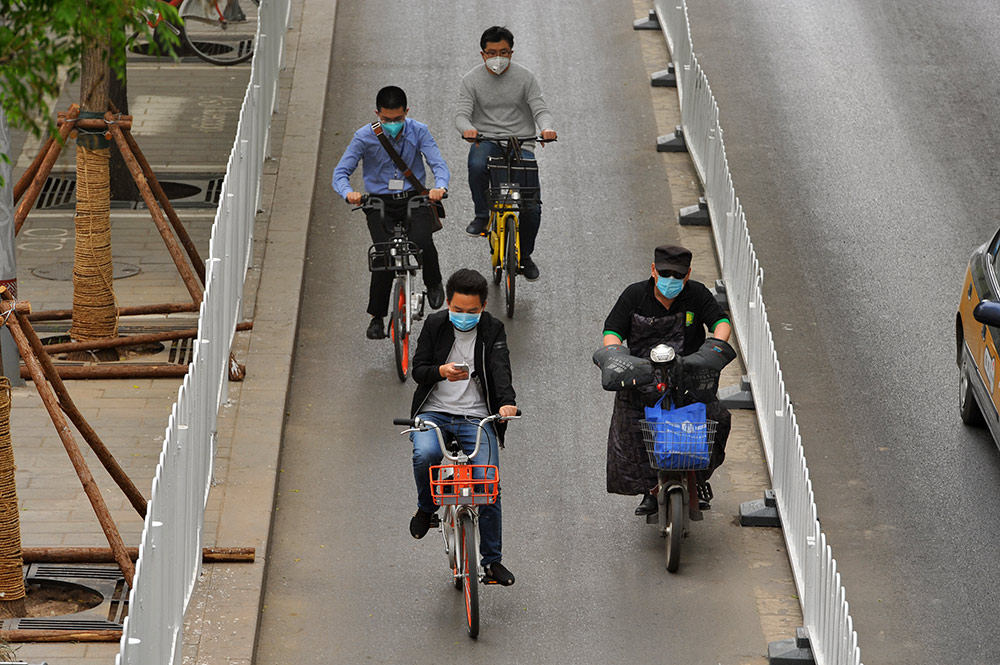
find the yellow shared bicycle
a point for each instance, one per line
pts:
(513, 186)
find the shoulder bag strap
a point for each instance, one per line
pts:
(396, 159)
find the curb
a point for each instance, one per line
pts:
(231, 601)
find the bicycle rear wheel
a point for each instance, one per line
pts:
(400, 336)
(470, 573)
(675, 527)
(510, 268)
(225, 36)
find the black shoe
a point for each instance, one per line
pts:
(497, 574)
(529, 269)
(421, 522)
(647, 506)
(435, 295)
(705, 495)
(477, 227)
(376, 330)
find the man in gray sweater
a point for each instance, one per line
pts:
(501, 98)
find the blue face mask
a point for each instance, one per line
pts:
(464, 321)
(669, 286)
(393, 128)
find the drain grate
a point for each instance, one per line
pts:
(58, 191)
(184, 190)
(105, 580)
(181, 351)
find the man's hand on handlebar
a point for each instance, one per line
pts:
(437, 193)
(548, 135)
(354, 198)
(508, 411)
(452, 373)
(470, 134)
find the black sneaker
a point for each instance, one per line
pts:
(705, 495)
(647, 506)
(376, 330)
(435, 295)
(496, 573)
(421, 523)
(477, 227)
(529, 269)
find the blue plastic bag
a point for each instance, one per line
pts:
(680, 436)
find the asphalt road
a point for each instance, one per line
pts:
(864, 141)
(346, 583)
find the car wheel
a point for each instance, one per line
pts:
(968, 408)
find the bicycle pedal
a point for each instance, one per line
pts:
(435, 521)
(696, 515)
(704, 505)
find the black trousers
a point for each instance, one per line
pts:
(420, 232)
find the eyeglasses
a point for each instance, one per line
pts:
(503, 53)
(672, 273)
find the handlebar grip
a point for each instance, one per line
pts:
(518, 411)
(403, 422)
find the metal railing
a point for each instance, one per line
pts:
(170, 546)
(824, 606)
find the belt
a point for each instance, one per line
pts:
(399, 195)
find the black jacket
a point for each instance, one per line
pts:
(492, 361)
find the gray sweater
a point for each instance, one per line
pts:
(507, 105)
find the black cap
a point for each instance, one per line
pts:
(672, 257)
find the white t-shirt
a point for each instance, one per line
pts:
(460, 398)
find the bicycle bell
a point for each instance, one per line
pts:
(661, 353)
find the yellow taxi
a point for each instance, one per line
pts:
(977, 328)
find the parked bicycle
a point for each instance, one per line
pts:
(402, 257)
(460, 487)
(220, 32)
(513, 185)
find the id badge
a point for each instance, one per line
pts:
(396, 185)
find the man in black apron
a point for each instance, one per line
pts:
(667, 308)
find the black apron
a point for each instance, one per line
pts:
(629, 471)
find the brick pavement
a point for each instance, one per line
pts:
(185, 117)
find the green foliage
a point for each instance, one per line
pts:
(42, 40)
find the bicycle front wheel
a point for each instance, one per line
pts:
(675, 527)
(400, 335)
(221, 32)
(470, 572)
(510, 266)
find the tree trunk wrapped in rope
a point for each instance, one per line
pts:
(11, 562)
(95, 311)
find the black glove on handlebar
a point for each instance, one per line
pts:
(713, 354)
(620, 369)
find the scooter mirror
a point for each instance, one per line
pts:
(661, 353)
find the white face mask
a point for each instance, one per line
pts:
(498, 65)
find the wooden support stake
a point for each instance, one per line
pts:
(56, 635)
(131, 340)
(44, 169)
(183, 267)
(114, 469)
(138, 310)
(104, 555)
(126, 371)
(161, 196)
(29, 175)
(72, 449)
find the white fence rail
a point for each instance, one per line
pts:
(170, 546)
(824, 606)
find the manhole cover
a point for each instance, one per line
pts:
(183, 190)
(63, 272)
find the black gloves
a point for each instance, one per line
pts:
(620, 370)
(714, 354)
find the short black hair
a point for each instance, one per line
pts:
(496, 33)
(467, 282)
(390, 97)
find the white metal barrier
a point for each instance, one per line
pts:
(824, 606)
(170, 547)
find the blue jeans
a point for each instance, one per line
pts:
(427, 452)
(530, 217)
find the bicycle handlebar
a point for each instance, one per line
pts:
(519, 139)
(422, 425)
(372, 201)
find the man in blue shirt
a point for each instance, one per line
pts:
(414, 143)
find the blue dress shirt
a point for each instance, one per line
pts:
(414, 144)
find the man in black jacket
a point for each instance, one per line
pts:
(462, 370)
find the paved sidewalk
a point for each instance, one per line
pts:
(185, 117)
